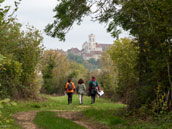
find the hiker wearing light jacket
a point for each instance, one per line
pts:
(70, 88)
(93, 88)
(81, 90)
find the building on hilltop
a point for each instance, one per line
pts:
(90, 49)
(91, 45)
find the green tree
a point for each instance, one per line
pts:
(124, 55)
(94, 62)
(149, 22)
(77, 71)
(55, 69)
(76, 58)
(108, 76)
(23, 50)
(10, 71)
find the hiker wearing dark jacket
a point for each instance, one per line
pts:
(93, 88)
(81, 90)
(69, 88)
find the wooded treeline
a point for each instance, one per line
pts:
(91, 64)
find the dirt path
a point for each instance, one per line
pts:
(25, 119)
(80, 119)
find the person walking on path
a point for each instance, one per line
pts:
(81, 90)
(93, 88)
(70, 88)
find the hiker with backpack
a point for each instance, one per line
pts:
(81, 90)
(93, 88)
(70, 88)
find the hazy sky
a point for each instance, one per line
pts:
(40, 12)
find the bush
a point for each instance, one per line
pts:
(22, 51)
(10, 75)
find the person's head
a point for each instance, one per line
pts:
(80, 81)
(69, 80)
(93, 77)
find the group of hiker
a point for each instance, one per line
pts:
(81, 90)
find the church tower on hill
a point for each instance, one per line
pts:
(90, 49)
(91, 45)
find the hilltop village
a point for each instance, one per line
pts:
(90, 49)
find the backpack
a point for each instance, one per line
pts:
(93, 88)
(94, 85)
(70, 86)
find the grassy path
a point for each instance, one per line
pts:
(59, 107)
(49, 113)
(25, 119)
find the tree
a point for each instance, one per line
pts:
(22, 52)
(91, 64)
(77, 71)
(107, 77)
(124, 56)
(94, 62)
(57, 69)
(149, 22)
(76, 58)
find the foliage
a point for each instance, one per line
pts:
(77, 71)
(118, 75)
(4, 10)
(144, 21)
(149, 22)
(56, 69)
(131, 15)
(91, 64)
(22, 52)
(64, 19)
(76, 58)
(95, 63)
(107, 76)
(5, 121)
(124, 56)
(10, 75)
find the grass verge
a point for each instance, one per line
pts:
(49, 120)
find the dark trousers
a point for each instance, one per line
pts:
(69, 98)
(93, 98)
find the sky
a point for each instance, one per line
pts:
(39, 13)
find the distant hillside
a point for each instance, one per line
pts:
(90, 64)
